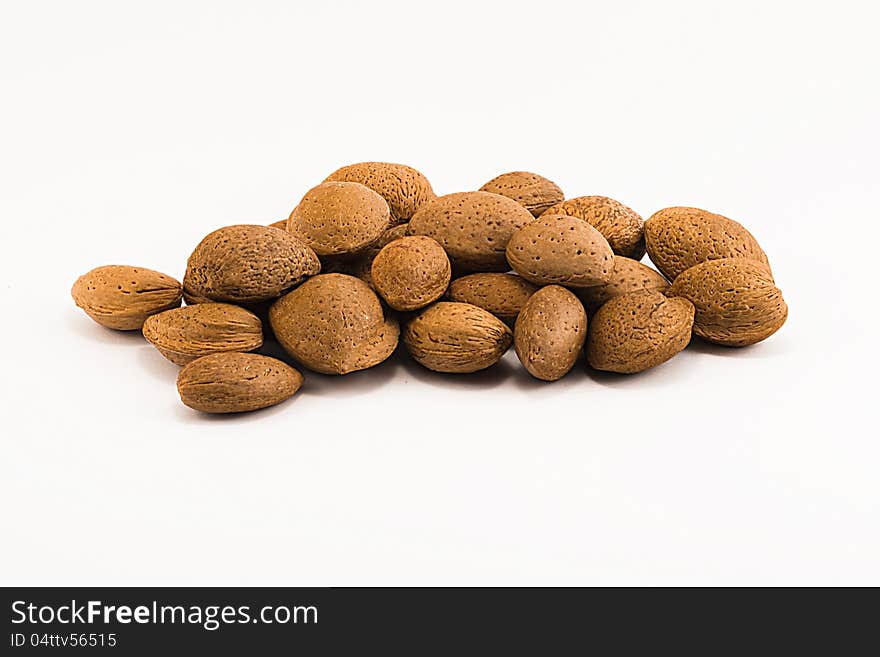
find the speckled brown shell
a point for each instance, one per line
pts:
(679, 238)
(234, 382)
(550, 332)
(620, 225)
(737, 302)
(636, 331)
(339, 218)
(334, 323)
(473, 228)
(184, 334)
(404, 188)
(456, 337)
(411, 272)
(558, 249)
(122, 297)
(362, 264)
(535, 193)
(627, 276)
(247, 263)
(503, 295)
(280, 225)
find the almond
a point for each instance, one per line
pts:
(550, 332)
(503, 295)
(411, 272)
(535, 193)
(404, 189)
(619, 224)
(248, 263)
(633, 332)
(472, 227)
(339, 218)
(122, 297)
(234, 383)
(456, 337)
(627, 276)
(184, 334)
(334, 323)
(679, 238)
(558, 249)
(737, 303)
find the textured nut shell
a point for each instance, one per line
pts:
(122, 297)
(622, 226)
(339, 218)
(472, 227)
(184, 334)
(627, 276)
(636, 331)
(280, 225)
(334, 323)
(411, 272)
(737, 302)
(550, 332)
(404, 189)
(233, 382)
(679, 238)
(503, 295)
(557, 249)
(457, 338)
(535, 193)
(247, 263)
(361, 265)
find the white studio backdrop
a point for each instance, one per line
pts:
(130, 130)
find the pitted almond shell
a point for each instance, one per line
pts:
(560, 250)
(235, 382)
(456, 338)
(404, 189)
(620, 225)
(411, 272)
(550, 333)
(184, 334)
(472, 227)
(362, 264)
(535, 193)
(122, 297)
(334, 323)
(339, 218)
(248, 263)
(503, 295)
(679, 238)
(636, 331)
(627, 276)
(737, 303)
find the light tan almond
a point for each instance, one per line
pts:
(550, 332)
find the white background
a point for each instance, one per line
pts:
(130, 130)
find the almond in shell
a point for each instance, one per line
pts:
(550, 332)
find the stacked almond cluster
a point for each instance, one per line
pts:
(372, 255)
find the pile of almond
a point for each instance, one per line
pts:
(371, 256)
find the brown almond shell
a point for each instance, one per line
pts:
(737, 302)
(411, 272)
(550, 333)
(535, 193)
(503, 295)
(627, 276)
(122, 297)
(404, 188)
(636, 331)
(235, 382)
(622, 226)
